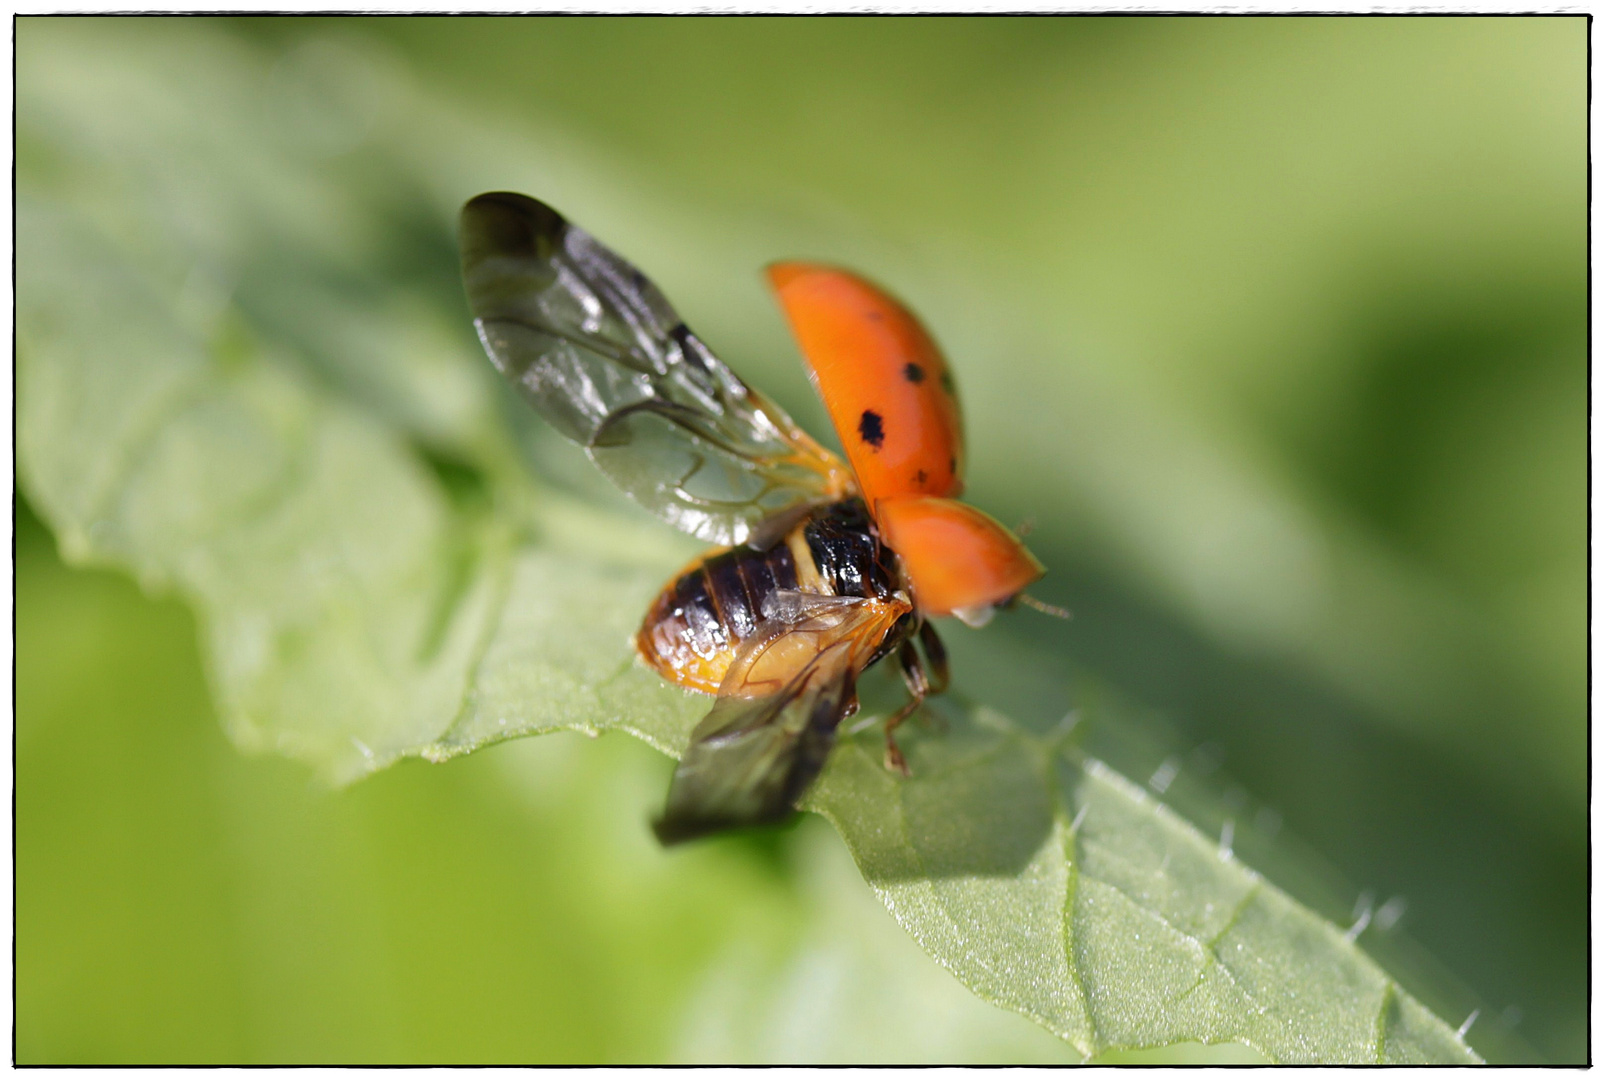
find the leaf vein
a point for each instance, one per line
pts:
(1071, 887)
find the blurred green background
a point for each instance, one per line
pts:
(1276, 330)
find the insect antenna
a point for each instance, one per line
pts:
(1046, 609)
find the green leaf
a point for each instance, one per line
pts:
(225, 388)
(1053, 886)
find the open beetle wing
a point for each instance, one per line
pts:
(882, 378)
(767, 737)
(599, 352)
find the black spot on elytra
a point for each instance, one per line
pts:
(946, 382)
(875, 316)
(871, 428)
(914, 373)
(952, 465)
(920, 477)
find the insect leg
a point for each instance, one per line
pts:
(913, 673)
(936, 655)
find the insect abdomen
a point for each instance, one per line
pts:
(691, 632)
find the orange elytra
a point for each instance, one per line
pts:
(959, 560)
(881, 377)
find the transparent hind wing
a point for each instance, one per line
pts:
(788, 688)
(602, 355)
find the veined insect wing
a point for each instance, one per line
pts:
(599, 352)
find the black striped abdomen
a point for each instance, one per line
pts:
(692, 630)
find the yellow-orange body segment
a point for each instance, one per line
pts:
(670, 647)
(882, 378)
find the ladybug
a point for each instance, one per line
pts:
(824, 567)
